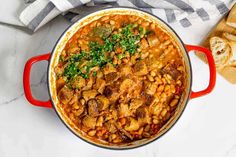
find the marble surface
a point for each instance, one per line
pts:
(207, 127)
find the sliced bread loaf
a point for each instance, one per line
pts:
(221, 51)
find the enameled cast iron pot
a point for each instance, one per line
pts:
(53, 59)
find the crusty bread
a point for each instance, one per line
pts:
(231, 19)
(232, 42)
(226, 29)
(231, 23)
(232, 61)
(229, 73)
(221, 51)
(229, 36)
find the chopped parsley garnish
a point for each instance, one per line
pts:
(115, 37)
(98, 54)
(78, 57)
(94, 73)
(71, 70)
(129, 41)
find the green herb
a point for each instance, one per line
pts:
(78, 57)
(126, 31)
(84, 75)
(95, 47)
(108, 45)
(115, 37)
(94, 73)
(129, 41)
(141, 30)
(98, 54)
(71, 70)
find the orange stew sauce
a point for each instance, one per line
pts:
(120, 78)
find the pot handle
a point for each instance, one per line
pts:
(212, 70)
(26, 81)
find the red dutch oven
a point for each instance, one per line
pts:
(53, 58)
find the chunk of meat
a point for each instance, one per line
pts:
(111, 126)
(103, 102)
(153, 40)
(111, 77)
(89, 121)
(143, 115)
(100, 85)
(123, 110)
(102, 31)
(89, 94)
(78, 82)
(125, 69)
(65, 95)
(143, 43)
(152, 63)
(126, 85)
(89, 84)
(171, 69)
(108, 91)
(114, 113)
(109, 68)
(147, 98)
(111, 93)
(140, 68)
(134, 104)
(93, 108)
(141, 112)
(133, 125)
(78, 108)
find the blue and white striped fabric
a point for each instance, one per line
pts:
(186, 12)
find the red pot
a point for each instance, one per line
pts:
(53, 58)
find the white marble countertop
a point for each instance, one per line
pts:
(207, 127)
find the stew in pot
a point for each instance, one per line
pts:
(120, 78)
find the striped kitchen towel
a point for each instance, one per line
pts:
(186, 12)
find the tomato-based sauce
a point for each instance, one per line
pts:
(120, 78)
